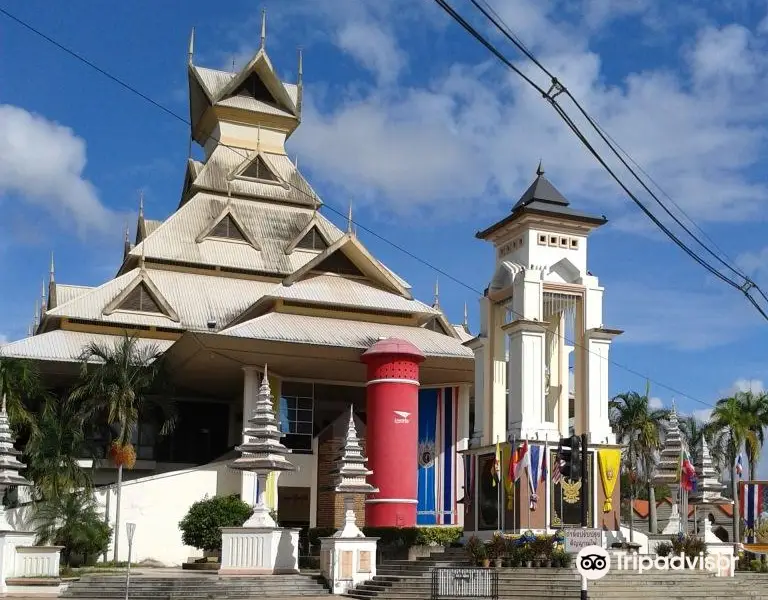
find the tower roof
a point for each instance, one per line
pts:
(542, 198)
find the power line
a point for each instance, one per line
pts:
(558, 88)
(401, 249)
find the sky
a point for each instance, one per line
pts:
(430, 138)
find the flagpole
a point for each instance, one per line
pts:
(498, 487)
(514, 490)
(530, 485)
(546, 483)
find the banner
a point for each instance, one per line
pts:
(751, 503)
(609, 461)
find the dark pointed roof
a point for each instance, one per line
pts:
(542, 197)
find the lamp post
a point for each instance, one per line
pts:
(130, 530)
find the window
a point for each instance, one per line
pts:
(296, 415)
(542, 239)
(258, 169)
(574, 243)
(140, 299)
(553, 240)
(227, 228)
(338, 263)
(563, 242)
(312, 241)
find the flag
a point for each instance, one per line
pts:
(496, 468)
(521, 459)
(556, 475)
(543, 477)
(469, 481)
(739, 467)
(751, 503)
(688, 473)
(533, 474)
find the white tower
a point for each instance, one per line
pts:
(541, 307)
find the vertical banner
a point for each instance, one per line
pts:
(751, 503)
(427, 457)
(448, 450)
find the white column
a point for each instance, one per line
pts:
(250, 394)
(598, 342)
(565, 392)
(526, 416)
(463, 417)
(497, 407)
(478, 346)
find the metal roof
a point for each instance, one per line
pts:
(253, 105)
(67, 346)
(273, 226)
(542, 190)
(323, 331)
(217, 175)
(340, 291)
(150, 225)
(464, 335)
(196, 299)
(65, 293)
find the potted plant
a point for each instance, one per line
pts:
(526, 555)
(513, 553)
(476, 550)
(497, 549)
(542, 550)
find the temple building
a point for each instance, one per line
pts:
(248, 272)
(541, 374)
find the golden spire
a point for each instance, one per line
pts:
(191, 51)
(263, 28)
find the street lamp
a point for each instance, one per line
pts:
(130, 530)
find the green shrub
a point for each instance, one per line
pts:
(755, 565)
(560, 558)
(664, 549)
(476, 549)
(690, 545)
(403, 537)
(201, 527)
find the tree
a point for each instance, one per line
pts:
(21, 385)
(756, 406)
(73, 521)
(201, 527)
(693, 432)
(639, 428)
(116, 386)
(731, 427)
(57, 442)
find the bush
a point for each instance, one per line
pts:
(476, 549)
(664, 549)
(690, 545)
(73, 521)
(403, 537)
(201, 527)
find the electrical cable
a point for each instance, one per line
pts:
(401, 249)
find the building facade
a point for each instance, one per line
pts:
(248, 272)
(541, 374)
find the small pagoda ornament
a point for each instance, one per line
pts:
(10, 466)
(350, 478)
(262, 453)
(348, 558)
(709, 488)
(668, 470)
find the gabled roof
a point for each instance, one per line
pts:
(65, 293)
(313, 224)
(273, 225)
(195, 299)
(229, 215)
(360, 257)
(218, 174)
(143, 283)
(343, 333)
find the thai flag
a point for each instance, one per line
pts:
(751, 503)
(739, 467)
(688, 479)
(556, 474)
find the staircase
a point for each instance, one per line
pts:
(678, 585)
(194, 587)
(412, 580)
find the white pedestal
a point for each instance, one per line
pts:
(347, 562)
(20, 559)
(674, 524)
(259, 550)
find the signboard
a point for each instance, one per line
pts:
(577, 538)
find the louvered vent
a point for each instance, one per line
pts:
(258, 169)
(338, 263)
(254, 87)
(227, 228)
(140, 300)
(312, 241)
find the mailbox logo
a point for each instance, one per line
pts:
(402, 417)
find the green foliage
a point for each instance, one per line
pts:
(542, 546)
(56, 443)
(497, 547)
(72, 521)
(403, 537)
(201, 527)
(476, 549)
(690, 545)
(560, 558)
(21, 385)
(664, 549)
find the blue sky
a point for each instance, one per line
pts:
(412, 121)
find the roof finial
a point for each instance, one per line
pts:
(300, 83)
(191, 51)
(296, 162)
(263, 28)
(349, 219)
(51, 273)
(141, 204)
(233, 65)
(436, 303)
(466, 317)
(42, 297)
(539, 169)
(35, 321)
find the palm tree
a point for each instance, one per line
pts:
(57, 442)
(756, 405)
(117, 386)
(731, 428)
(639, 428)
(693, 432)
(20, 384)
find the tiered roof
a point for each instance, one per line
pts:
(10, 466)
(668, 468)
(351, 471)
(709, 488)
(247, 249)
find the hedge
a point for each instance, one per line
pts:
(399, 536)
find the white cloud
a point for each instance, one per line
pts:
(747, 385)
(655, 403)
(43, 163)
(475, 132)
(702, 414)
